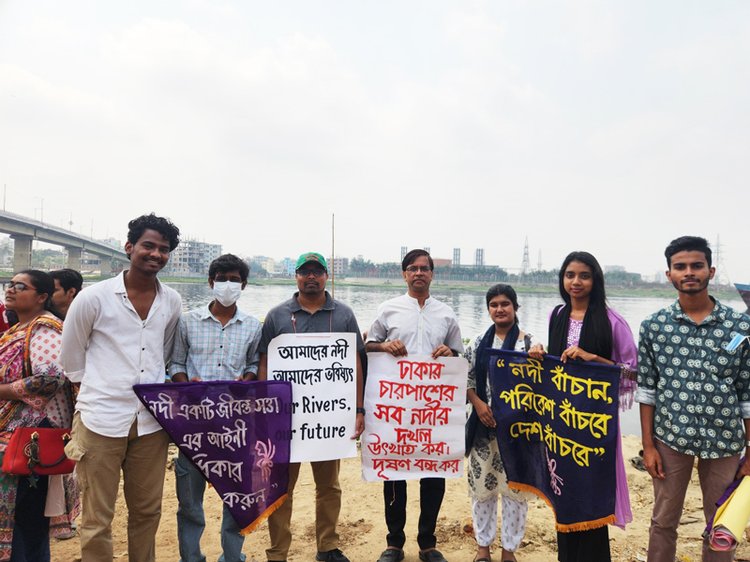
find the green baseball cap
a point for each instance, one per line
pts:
(308, 257)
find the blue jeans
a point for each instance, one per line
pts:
(191, 485)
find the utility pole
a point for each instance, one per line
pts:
(333, 254)
(722, 275)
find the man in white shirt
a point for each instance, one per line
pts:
(118, 333)
(414, 323)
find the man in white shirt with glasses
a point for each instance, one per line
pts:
(414, 323)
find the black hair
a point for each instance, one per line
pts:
(598, 297)
(43, 284)
(163, 226)
(68, 279)
(596, 313)
(226, 263)
(505, 290)
(688, 244)
(412, 256)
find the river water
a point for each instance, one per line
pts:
(469, 307)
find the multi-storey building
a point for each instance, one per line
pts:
(339, 266)
(191, 259)
(479, 258)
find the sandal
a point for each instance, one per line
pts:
(637, 462)
(483, 558)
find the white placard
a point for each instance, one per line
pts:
(416, 414)
(322, 368)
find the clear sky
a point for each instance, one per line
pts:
(611, 127)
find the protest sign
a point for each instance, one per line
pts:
(416, 412)
(557, 427)
(727, 527)
(236, 433)
(322, 368)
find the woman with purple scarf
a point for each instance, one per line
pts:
(584, 328)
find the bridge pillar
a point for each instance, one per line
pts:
(105, 266)
(74, 258)
(21, 252)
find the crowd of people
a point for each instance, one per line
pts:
(693, 391)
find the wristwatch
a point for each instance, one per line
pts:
(362, 411)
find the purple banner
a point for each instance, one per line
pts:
(236, 433)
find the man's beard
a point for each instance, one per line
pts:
(691, 290)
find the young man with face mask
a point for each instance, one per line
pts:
(217, 342)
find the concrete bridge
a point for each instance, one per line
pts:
(24, 231)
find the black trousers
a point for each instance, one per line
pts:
(31, 529)
(584, 546)
(431, 492)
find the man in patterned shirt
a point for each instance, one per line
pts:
(217, 342)
(694, 396)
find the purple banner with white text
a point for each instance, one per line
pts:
(236, 433)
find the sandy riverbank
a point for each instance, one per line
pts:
(362, 527)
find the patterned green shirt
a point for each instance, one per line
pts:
(699, 390)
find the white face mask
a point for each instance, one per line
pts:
(227, 292)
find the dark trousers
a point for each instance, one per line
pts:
(431, 492)
(584, 546)
(31, 528)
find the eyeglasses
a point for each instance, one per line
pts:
(17, 286)
(422, 268)
(307, 272)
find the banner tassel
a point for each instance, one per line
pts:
(263, 516)
(573, 527)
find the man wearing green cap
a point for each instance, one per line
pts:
(311, 309)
